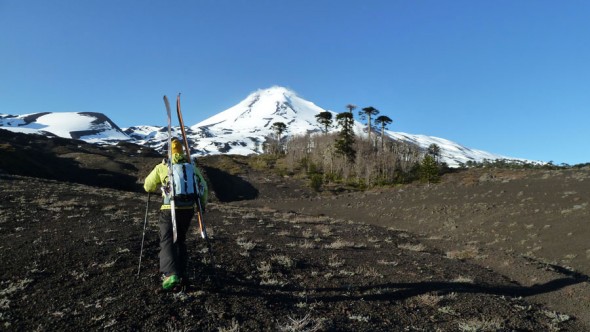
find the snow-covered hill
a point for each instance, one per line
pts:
(452, 153)
(86, 126)
(241, 129)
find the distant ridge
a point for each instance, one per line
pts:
(87, 126)
(241, 129)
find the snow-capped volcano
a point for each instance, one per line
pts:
(261, 109)
(241, 129)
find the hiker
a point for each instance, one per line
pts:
(173, 256)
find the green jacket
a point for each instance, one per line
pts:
(159, 178)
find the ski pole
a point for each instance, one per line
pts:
(147, 205)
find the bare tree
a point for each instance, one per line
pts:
(320, 153)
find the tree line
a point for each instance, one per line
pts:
(342, 157)
(366, 161)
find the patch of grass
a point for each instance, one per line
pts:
(557, 317)
(305, 323)
(108, 264)
(467, 253)
(448, 311)
(346, 273)
(307, 233)
(4, 303)
(412, 247)
(307, 245)
(283, 260)
(369, 272)
(234, 326)
(284, 233)
(272, 282)
(373, 240)
(429, 299)
(464, 280)
(326, 230)
(79, 275)
(268, 279)
(264, 268)
(10, 287)
(481, 324)
(384, 262)
(339, 244)
(246, 245)
(360, 318)
(303, 219)
(335, 261)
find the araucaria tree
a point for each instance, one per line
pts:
(350, 108)
(345, 142)
(325, 120)
(279, 128)
(367, 113)
(383, 120)
(434, 151)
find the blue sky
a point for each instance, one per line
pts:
(510, 77)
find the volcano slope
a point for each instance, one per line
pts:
(530, 225)
(70, 253)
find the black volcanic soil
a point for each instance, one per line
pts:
(469, 254)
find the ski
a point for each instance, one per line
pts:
(171, 192)
(199, 211)
(187, 148)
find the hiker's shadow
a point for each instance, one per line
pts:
(402, 291)
(232, 284)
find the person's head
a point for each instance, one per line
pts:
(177, 146)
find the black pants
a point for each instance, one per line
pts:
(173, 256)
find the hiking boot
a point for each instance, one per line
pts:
(170, 282)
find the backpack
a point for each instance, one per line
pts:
(185, 183)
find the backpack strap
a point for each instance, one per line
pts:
(184, 178)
